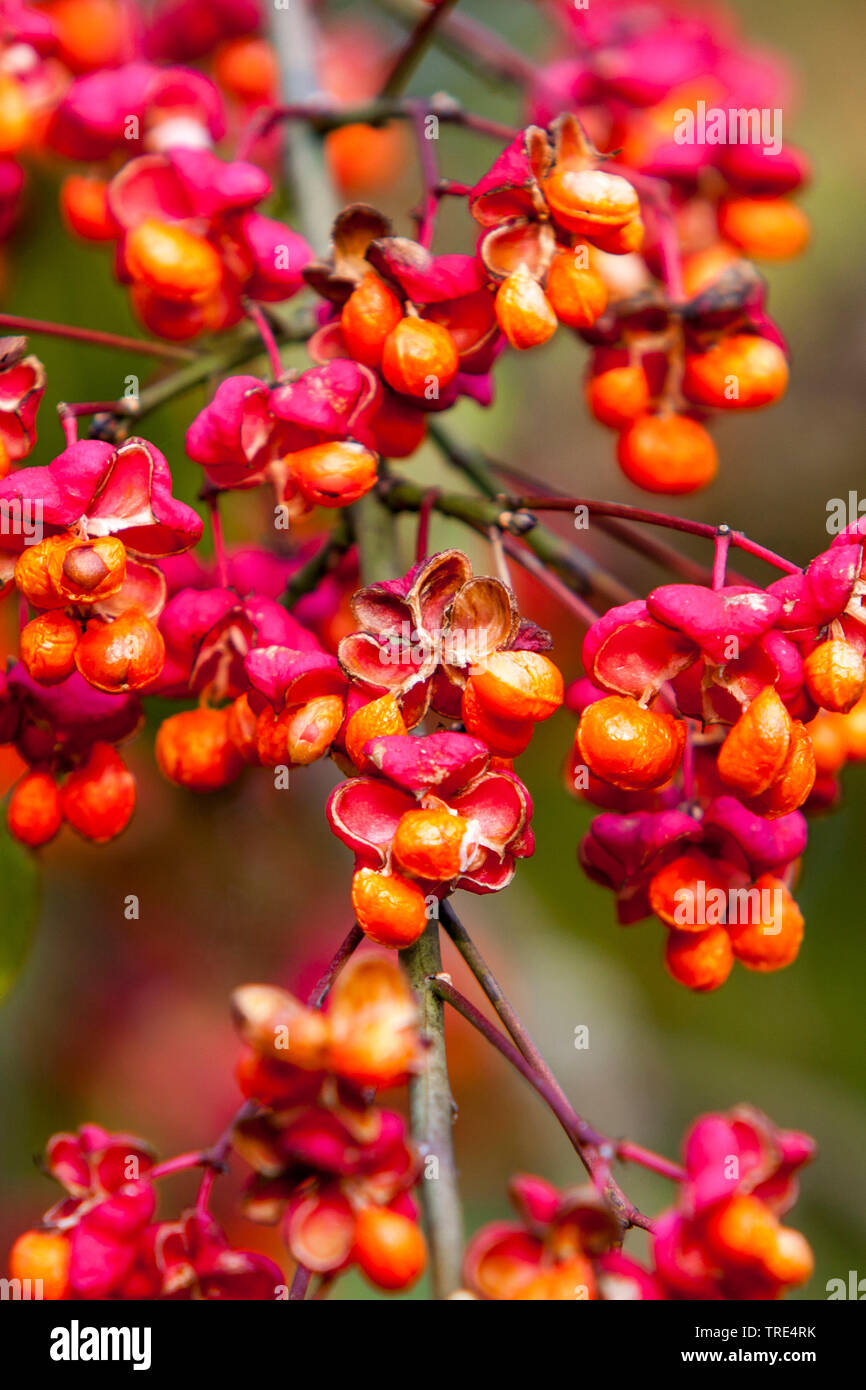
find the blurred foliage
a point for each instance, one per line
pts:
(126, 1022)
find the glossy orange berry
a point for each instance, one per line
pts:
(518, 685)
(32, 573)
(85, 210)
(47, 646)
(399, 428)
(87, 571)
(686, 892)
(432, 844)
(5, 461)
(523, 311)
(835, 675)
(771, 930)
(700, 960)
(628, 745)
(754, 752)
(389, 909)
(382, 716)
(364, 157)
(702, 268)
(98, 799)
(126, 654)
(795, 781)
(667, 453)
(16, 116)
(313, 727)
(590, 201)
(194, 749)
(247, 68)
(577, 294)
(389, 1248)
(617, 397)
(766, 229)
(420, 358)
(740, 372)
(507, 738)
(172, 261)
(42, 1255)
(829, 735)
(335, 474)
(33, 814)
(369, 315)
(742, 1231)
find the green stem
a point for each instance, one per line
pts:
(432, 1114)
(578, 571)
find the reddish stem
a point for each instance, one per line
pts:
(628, 1152)
(348, 946)
(673, 523)
(96, 338)
(422, 544)
(256, 315)
(219, 546)
(585, 614)
(591, 1148)
(720, 559)
(429, 175)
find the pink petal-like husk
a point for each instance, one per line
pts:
(364, 814)
(628, 652)
(441, 761)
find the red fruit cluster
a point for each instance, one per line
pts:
(336, 1167)
(707, 748)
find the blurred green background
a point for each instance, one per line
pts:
(127, 1022)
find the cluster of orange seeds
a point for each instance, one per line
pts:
(97, 800)
(630, 745)
(66, 577)
(506, 695)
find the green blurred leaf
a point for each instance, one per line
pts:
(19, 897)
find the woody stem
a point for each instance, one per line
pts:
(432, 1114)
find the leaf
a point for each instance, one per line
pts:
(19, 899)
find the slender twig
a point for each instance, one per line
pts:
(347, 948)
(415, 47)
(594, 1153)
(429, 178)
(623, 531)
(628, 1152)
(673, 523)
(583, 611)
(322, 115)
(97, 338)
(594, 1148)
(422, 542)
(478, 46)
(257, 316)
(580, 573)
